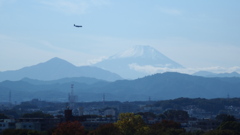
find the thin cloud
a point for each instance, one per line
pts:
(152, 70)
(74, 6)
(99, 2)
(170, 11)
(94, 61)
(3, 2)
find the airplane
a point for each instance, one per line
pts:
(77, 25)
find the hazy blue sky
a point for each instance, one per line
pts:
(199, 34)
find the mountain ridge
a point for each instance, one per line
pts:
(159, 86)
(210, 74)
(86, 80)
(57, 68)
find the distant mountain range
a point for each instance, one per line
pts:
(125, 63)
(130, 64)
(210, 74)
(158, 87)
(52, 79)
(57, 68)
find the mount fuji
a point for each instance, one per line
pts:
(136, 62)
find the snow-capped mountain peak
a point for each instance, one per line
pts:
(141, 51)
(129, 63)
(138, 51)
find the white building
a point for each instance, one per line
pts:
(29, 125)
(109, 112)
(7, 124)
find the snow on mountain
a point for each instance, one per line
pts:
(133, 62)
(147, 56)
(139, 51)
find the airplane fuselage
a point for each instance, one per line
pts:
(77, 25)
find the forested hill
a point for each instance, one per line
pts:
(210, 105)
(157, 87)
(174, 85)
